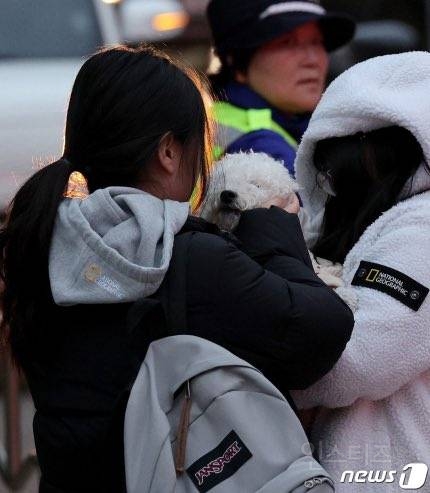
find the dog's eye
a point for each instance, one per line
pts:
(255, 184)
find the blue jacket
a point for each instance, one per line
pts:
(266, 140)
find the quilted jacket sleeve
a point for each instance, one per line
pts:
(267, 305)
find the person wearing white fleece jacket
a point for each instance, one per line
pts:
(375, 413)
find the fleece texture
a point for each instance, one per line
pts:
(381, 92)
(377, 397)
(255, 178)
(114, 246)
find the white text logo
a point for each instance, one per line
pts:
(412, 477)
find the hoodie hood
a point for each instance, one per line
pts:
(114, 246)
(380, 92)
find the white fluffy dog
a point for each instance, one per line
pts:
(246, 181)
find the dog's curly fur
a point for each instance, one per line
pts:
(254, 179)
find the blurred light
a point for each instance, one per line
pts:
(214, 63)
(111, 1)
(169, 21)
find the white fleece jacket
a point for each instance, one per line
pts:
(377, 397)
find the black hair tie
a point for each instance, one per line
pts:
(85, 170)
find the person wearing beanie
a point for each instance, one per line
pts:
(274, 63)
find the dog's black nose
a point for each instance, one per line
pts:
(228, 196)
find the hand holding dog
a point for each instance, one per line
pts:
(289, 203)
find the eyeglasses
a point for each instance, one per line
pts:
(325, 182)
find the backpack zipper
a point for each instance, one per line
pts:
(311, 483)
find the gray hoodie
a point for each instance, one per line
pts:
(114, 246)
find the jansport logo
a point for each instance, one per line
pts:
(217, 466)
(412, 477)
(220, 463)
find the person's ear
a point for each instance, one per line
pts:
(169, 153)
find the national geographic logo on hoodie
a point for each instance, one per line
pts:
(94, 274)
(392, 282)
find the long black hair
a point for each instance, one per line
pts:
(124, 100)
(367, 172)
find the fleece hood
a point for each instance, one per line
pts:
(114, 246)
(380, 92)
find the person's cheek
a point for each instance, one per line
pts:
(324, 64)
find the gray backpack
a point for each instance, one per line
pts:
(201, 419)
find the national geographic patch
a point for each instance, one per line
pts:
(392, 282)
(219, 464)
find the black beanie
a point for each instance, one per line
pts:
(247, 24)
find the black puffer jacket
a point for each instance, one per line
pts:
(262, 301)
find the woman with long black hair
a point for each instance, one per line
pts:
(364, 168)
(75, 261)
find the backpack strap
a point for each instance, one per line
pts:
(174, 301)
